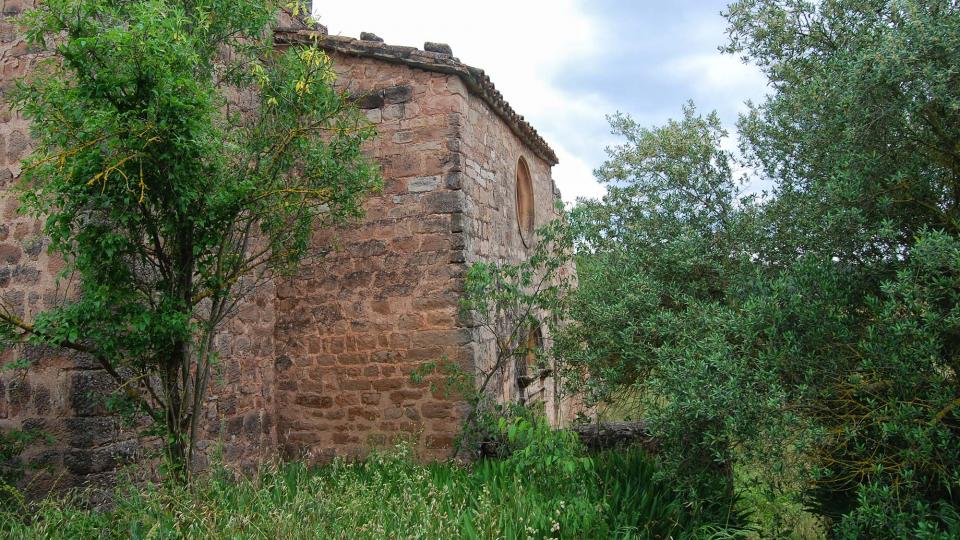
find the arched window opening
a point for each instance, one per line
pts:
(530, 364)
(525, 214)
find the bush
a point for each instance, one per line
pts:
(12, 444)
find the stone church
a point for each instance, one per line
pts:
(320, 365)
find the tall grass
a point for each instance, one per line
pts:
(386, 496)
(545, 486)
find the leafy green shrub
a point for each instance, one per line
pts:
(12, 444)
(879, 513)
(535, 448)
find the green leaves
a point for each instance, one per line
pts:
(809, 335)
(167, 187)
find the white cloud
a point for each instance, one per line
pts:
(530, 47)
(524, 45)
(574, 177)
(721, 76)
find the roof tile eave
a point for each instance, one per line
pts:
(476, 80)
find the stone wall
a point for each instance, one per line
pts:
(61, 396)
(384, 300)
(492, 153)
(319, 365)
(55, 396)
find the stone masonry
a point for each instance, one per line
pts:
(318, 365)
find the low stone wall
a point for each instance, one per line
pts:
(609, 435)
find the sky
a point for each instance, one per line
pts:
(567, 64)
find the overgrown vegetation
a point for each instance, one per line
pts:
(12, 444)
(796, 352)
(547, 488)
(801, 343)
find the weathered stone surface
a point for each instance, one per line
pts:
(423, 183)
(17, 143)
(441, 48)
(91, 432)
(85, 462)
(320, 364)
(606, 435)
(89, 391)
(398, 94)
(10, 254)
(447, 202)
(370, 101)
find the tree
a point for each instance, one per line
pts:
(861, 136)
(181, 163)
(809, 336)
(653, 314)
(511, 307)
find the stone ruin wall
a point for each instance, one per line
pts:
(354, 326)
(318, 365)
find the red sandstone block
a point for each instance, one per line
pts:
(354, 413)
(401, 396)
(435, 409)
(434, 242)
(306, 385)
(353, 372)
(423, 354)
(411, 321)
(411, 427)
(440, 338)
(352, 359)
(366, 342)
(385, 356)
(399, 341)
(445, 318)
(388, 384)
(387, 371)
(325, 360)
(346, 400)
(335, 345)
(381, 307)
(355, 385)
(343, 438)
(10, 254)
(314, 345)
(401, 165)
(406, 244)
(438, 301)
(439, 442)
